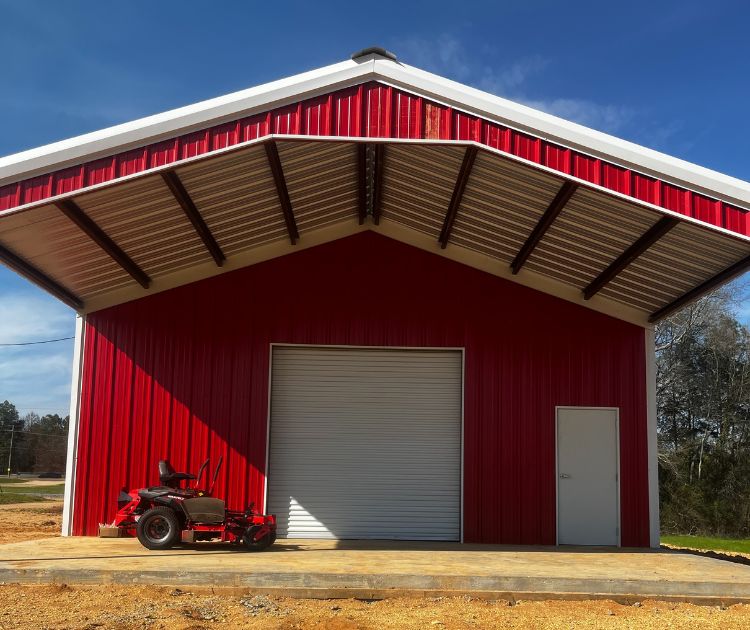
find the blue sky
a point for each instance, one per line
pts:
(670, 75)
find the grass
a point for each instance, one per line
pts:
(57, 488)
(7, 498)
(7, 480)
(708, 543)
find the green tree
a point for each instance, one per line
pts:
(10, 426)
(703, 398)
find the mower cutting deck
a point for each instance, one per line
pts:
(167, 514)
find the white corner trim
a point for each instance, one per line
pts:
(653, 448)
(73, 424)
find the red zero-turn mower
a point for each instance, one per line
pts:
(167, 514)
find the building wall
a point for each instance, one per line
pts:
(184, 374)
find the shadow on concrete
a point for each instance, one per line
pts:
(317, 546)
(419, 545)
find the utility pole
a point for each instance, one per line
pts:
(10, 452)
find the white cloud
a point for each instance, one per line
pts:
(508, 80)
(28, 317)
(608, 118)
(35, 377)
(448, 56)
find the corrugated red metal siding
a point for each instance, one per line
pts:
(386, 113)
(184, 373)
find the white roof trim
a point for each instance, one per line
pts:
(246, 102)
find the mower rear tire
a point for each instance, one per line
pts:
(158, 528)
(258, 545)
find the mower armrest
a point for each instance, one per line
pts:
(182, 476)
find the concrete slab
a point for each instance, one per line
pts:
(375, 569)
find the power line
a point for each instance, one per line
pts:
(34, 343)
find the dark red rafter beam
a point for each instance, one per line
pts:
(172, 180)
(278, 177)
(31, 273)
(458, 193)
(71, 210)
(653, 234)
(728, 274)
(377, 182)
(549, 216)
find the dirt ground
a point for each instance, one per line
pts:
(124, 607)
(28, 521)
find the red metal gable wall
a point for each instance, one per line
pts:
(184, 373)
(378, 111)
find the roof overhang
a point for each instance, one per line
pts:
(94, 245)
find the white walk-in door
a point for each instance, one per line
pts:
(587, 477)
(365, 443)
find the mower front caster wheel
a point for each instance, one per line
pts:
(158, 528)
(258, 545)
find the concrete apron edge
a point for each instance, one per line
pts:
(342, 586)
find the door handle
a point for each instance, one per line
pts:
(564, 476)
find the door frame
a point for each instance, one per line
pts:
(460, 349)
(557, 465)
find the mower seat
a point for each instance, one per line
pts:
(168, 477)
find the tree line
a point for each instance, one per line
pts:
(32, 443)
(703, 400)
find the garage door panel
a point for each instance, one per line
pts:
(366, 443)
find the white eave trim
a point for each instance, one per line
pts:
(308, 84)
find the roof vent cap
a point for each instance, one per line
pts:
(374, 50)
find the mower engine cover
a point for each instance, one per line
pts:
(204, 510)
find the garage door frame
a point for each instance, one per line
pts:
(462, 350)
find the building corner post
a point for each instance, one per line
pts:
(653, 452)
(75, 400)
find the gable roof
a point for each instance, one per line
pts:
(374, 67)
(108, 216)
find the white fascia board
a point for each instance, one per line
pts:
(572, 135)
(183, 120)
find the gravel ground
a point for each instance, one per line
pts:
(124, 607)
(28, 521)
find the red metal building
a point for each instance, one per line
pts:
(397, 306)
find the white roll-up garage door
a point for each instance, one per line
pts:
(365, 443)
